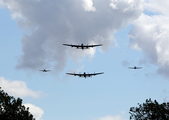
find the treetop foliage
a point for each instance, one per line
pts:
(12, 109)
(150, 111)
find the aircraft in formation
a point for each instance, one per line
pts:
(85, 74)
(83, 46)
(44, 70)
(135, 67)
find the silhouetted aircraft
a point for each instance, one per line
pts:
(85, 74)
(44, 70)
(82, 46)
(135, 67)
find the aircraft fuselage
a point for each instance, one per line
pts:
(82, 46)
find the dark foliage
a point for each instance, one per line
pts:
(12, 109)
(150, 111)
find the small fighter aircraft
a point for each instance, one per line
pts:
(135, 67)
(85, 74)
(82, 46)
(44, 70)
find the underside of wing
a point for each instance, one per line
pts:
(75, 74)
(88, 75)
(131, 67)
(68, 45)
(95, 45)
(87, 46)
(70, 73)
(97, 73)
(80, 75)
(78, 46)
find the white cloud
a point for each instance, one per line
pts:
(113, 5)
(88, 5)
(127, 5)
(150, 34)
(37, 112)
(82, 53)
(17, 88)
(116, 117)
(157, 6)
(49, 24)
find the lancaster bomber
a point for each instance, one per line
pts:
(85, 74)
(135, 67)
(44, 70)
(82, 46)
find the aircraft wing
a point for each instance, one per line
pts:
(96, 73)
(135, 67)
(131, 67)
(72, 45)
(84, 75)
(87, 46)
(44, 70)
(75, 74)
(70, 73)
(92, 45)
(138, 67)
(67, 44)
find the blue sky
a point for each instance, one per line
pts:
(133, 33)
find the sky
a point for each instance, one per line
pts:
(133, 33)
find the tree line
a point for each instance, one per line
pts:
(12, 109)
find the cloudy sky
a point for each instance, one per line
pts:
(133, 33)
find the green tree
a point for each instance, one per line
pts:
(150, 111)
(12, 109)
